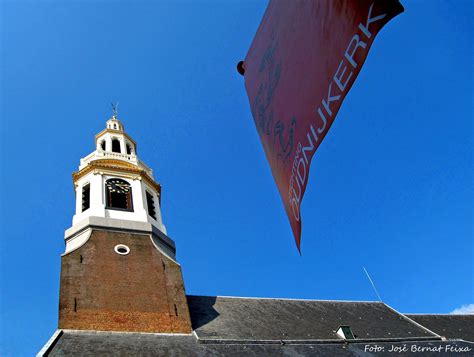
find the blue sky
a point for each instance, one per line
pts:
(391, 187)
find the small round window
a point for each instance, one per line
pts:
(122, 249)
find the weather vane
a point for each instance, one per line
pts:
(114, 109)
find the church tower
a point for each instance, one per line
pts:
(119, 271)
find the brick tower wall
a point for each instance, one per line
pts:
(142, 291)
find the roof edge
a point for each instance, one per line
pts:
(100, 332)
(50, 344)
(314, 341)
(414, 322)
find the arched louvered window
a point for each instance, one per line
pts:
(86, 197)
(115, 145)
(118, 194)
(150, 202)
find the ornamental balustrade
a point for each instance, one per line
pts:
(101, 154)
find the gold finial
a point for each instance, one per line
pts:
(114, 110)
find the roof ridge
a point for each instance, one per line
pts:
(435, 314)
(286, 299)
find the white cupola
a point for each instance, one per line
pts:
(114, 139)
(113, 186)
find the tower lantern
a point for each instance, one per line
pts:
(113, 138)
(119, 270)
(112, 182)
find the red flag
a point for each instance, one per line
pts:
(300, 66)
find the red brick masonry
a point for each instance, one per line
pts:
(101, 290)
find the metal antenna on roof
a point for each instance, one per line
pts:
(373, 285)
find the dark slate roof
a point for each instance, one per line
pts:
(255, 319)
(225, 326)
(89, 343)
(449, 326)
